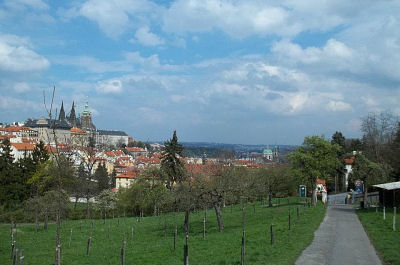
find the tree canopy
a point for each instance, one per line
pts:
(171, 164)
(316, 158)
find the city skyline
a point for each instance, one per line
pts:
(242, 72)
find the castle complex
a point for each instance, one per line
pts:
(76, 130)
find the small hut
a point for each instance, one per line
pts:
(388, 194)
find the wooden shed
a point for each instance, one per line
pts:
(389, 195)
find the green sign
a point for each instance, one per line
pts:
(303, 191)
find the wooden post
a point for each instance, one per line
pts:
(186, 250)
(394, 218)
(175, 236)
(88, 246)
(290, 223)
(384, 213)
(272, 234)
(123, 251)
(243, 252)
(70, 238)
(15, 257)
(204, 227)
(298, 214)
(12, 249)
(21, 258)
(58, 253)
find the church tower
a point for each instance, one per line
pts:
(61, 117)
(72, 116)
(86, 119)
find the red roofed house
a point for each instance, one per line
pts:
(136, 151)
(19, 150)
(22, 131)
(349, 167)
(125, 179)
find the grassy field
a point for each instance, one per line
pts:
(152, 241)
(385, 240)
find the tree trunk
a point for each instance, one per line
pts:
(270, 199)
(365, 194)
(219, 217)
(87, 207)
(76, 201)
(314, 195)
(186, 224)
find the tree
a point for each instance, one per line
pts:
(367, 171)
(316, 158)
(102, 178)
(171, 163)
(106, 200)
(339, 139)
(394, 154)
(379, 130)
(9, 180)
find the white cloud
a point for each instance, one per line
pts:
(21, 87)
(8, 103)
(113, 86)
(35, 4)
(338, 106)
(114, 17)
(237, 19)
(16, 56)
(147, 38)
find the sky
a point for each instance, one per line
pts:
(239, 71)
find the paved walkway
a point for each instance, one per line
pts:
(340, 240)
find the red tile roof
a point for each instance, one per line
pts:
(23, 146)
(349, 160)
(2, 137)
(18, 128)
(135, 149)
(77, 130)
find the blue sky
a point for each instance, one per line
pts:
(240, 71)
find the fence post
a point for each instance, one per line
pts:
(289, 221)
(204, 227)
(15, 257)
(21, 259)
(384, 213)
(88, 246)
(243, 257)
(123, 251)
(394, 219)
(272, 234)
(70, 238)
(186, 250)
(12, 249)
(175, 236)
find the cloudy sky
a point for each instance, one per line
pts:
(238, 71)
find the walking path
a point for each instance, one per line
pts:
(340, 240)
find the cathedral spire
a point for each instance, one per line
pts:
(62, 112)
(72, 115)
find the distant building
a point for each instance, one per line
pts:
(267, 153)
(75, 130)
(111, 137)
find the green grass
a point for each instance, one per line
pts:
(385, 240)
(150, 245)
